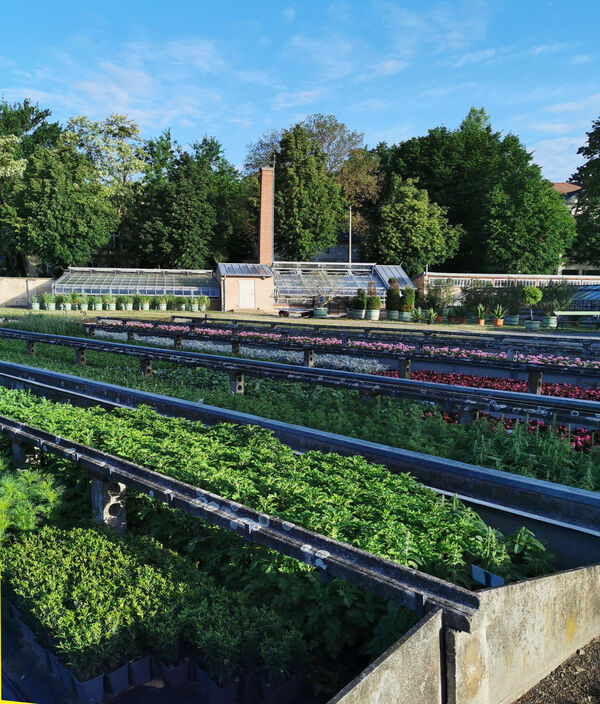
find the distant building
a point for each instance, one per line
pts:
(570, 193)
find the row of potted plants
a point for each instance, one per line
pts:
(83, 301)
(116, 600)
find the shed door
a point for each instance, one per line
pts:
(246, 293)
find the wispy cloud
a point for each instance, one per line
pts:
(474, 57)
(333, 56)
(558, 157)
(589, 102)
(447, 89)
(548, 48)
(553, 127)
(370, 105)
(289, 14)
(295, 99)
(581, 59)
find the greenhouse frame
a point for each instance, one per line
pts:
(149, 282)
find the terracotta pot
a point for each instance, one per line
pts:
(498, 322)
(481, 321)
(439, 319)
(452, 319)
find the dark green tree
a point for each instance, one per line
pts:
(60, 211)
(309, 207)
(587, 244)
(529, 229)
(30, 124)
(468, 171)
(410, 229)
(184, 213)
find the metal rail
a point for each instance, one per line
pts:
(507, 494)
(502, 340)
(509, 368)
(467, 401)
(415, 589)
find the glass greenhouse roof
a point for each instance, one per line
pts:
(152, 282)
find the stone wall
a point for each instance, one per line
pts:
(17, 291)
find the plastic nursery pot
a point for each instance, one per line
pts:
(391, 314)
(97, 306)
(289, 691)
(145, 306)
(83, 306)
(140, 671)
(320, 312)
(60, 672)
(26, 632)
(511, 320)
(162, 306)
(194, 307)
(90, 691)
(181, 306)
(358, 314)
(177, 675)
(550, 321)
(66, 306)
(41, 655)
(404, 316)
(129, 306)
(35, 306)
(211, 690)
(50, 306)
(372, 315)
(117, 681)
(498, 322)
(112, 306)
(532, 325)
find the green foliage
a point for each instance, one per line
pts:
(489, 187)
(440, 295)
(26, 498)
(373, 303)
(499, 312)
(530, 295)
(480, 311)
(410, 229)
(556, 296)
(308, 203)
(359, 302)
(98, 600)
(247, 464)
(59, 209)
(392, 299)
(49, 324)
(408, 298)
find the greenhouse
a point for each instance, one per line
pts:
(149, 282)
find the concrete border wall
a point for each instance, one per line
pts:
(17, 290)
(410, 671)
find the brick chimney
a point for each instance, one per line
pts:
(267, 215)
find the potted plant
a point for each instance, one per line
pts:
(161, 303)
(216, 674)
(128, 302)
(145, 302)
(439, 316)
(416, 315)
(359, 304)
(59, 300)
(407, 305)
(193, 304)
(180, 302)
(431, 316)
(83, 302)
(121, 302)
(451, 314)
(461, 314)
(499, 312)
(109, 301)
(281, 654)
(373, 307)
(137, 301)
(556, 296)
(323, 289)
(480, 314)
(203, 303)
(510, 298)
(94, 303)
(48, 301)
(35, 304)
(531, 296)
(392, 300)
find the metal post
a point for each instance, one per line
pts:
(130, 336)
(467, 415)
(404, 368)
(350, 237)
(235, 348)
(80, 356)
(92, 331)
(18, 453)
(31, 347)
(236, 383)
(146, 366)
(177, 344)
(309, 358)
(534, 382)
(108, 503)
(344, 337)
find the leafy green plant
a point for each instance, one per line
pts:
(531, 295)
(46, 298)
(499, 312)
(556, 296)
(392, 300)
(480, 311)
(408, 299)
(417, 315)
(359, 302)
(373, 303)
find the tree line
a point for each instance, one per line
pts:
(470, 199)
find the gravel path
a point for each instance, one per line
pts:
(576, 681)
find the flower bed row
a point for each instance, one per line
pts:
(369, 346)
(100, 603)
(346, 498)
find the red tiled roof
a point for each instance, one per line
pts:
(565, 188)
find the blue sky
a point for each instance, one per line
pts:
(392, 69)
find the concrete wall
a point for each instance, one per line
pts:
(14, 289)
(264, 290)
(408, 673)
(527, 629)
